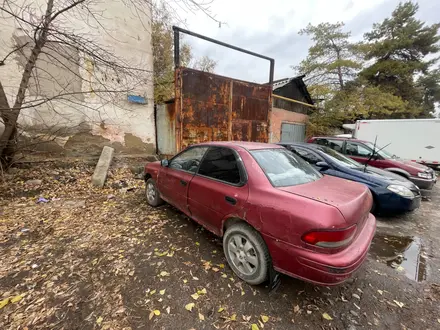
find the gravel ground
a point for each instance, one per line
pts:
(85, 258)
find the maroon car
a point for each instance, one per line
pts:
(273, 210)
(421, 175)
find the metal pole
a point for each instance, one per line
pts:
(176, 47)
(176, 28)
(271, 72)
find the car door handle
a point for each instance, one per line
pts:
(183, 183)
(231, 200)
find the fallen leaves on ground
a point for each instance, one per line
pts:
(77, 247)
(264, 318)
(398, 303)
(153, 313)
(327, 317)
(189, 306)
(202, 291)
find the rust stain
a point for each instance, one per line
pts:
(171, 108)
(209, 107)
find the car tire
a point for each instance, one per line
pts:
(152, 194)
(247, 253)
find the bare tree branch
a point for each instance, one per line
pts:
(60, 12)
(2, 62)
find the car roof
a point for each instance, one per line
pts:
(243, 144)
(337, 138)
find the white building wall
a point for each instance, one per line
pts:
(83, 122)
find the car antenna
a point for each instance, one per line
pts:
(372, 154)
(375, 152)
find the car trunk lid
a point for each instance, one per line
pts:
(352, 199)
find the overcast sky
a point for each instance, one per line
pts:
(271, 28)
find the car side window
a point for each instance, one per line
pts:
(308, 156)
(188, 160)
(221, 164)
(322, 142)
(354, 149)
(336, 145)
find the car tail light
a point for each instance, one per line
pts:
(330, 238)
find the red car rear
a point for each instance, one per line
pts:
(273, 210)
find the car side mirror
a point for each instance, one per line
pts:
(164, 162)
(322, 165)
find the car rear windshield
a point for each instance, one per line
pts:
(283, 168)
(339, 158)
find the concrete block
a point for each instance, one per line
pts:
(101, 169)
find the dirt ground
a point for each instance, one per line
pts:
(75, 257)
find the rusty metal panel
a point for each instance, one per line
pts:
(251, 104)
(210, 107)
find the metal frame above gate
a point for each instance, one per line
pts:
(177, 30)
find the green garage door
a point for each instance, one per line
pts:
(293, 132)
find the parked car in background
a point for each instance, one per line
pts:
(415, 139)
(361, 151)
(273, 210)
(391, 193)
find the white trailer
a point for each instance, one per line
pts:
(414, 139)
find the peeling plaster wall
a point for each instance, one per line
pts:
(81, 123)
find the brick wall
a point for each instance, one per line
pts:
(279, 116)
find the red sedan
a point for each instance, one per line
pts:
(273, 210)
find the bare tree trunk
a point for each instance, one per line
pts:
(4, 104)
(10, 117)
(340, 77)
(338, 57)
(341, 80)
(7, 154)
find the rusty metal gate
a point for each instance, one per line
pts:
(210, 107)
(216, 108)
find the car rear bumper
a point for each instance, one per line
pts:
(423, 183)
(321, 268)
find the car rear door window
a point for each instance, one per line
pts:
(308, 156)
(336, 145)
(357, 150)
(188, 160)
(221, 164)
(321, 141)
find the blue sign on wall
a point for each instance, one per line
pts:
(137, 99)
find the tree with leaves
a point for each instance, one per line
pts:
(399, 47)
(332, 60)
(163, 54)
